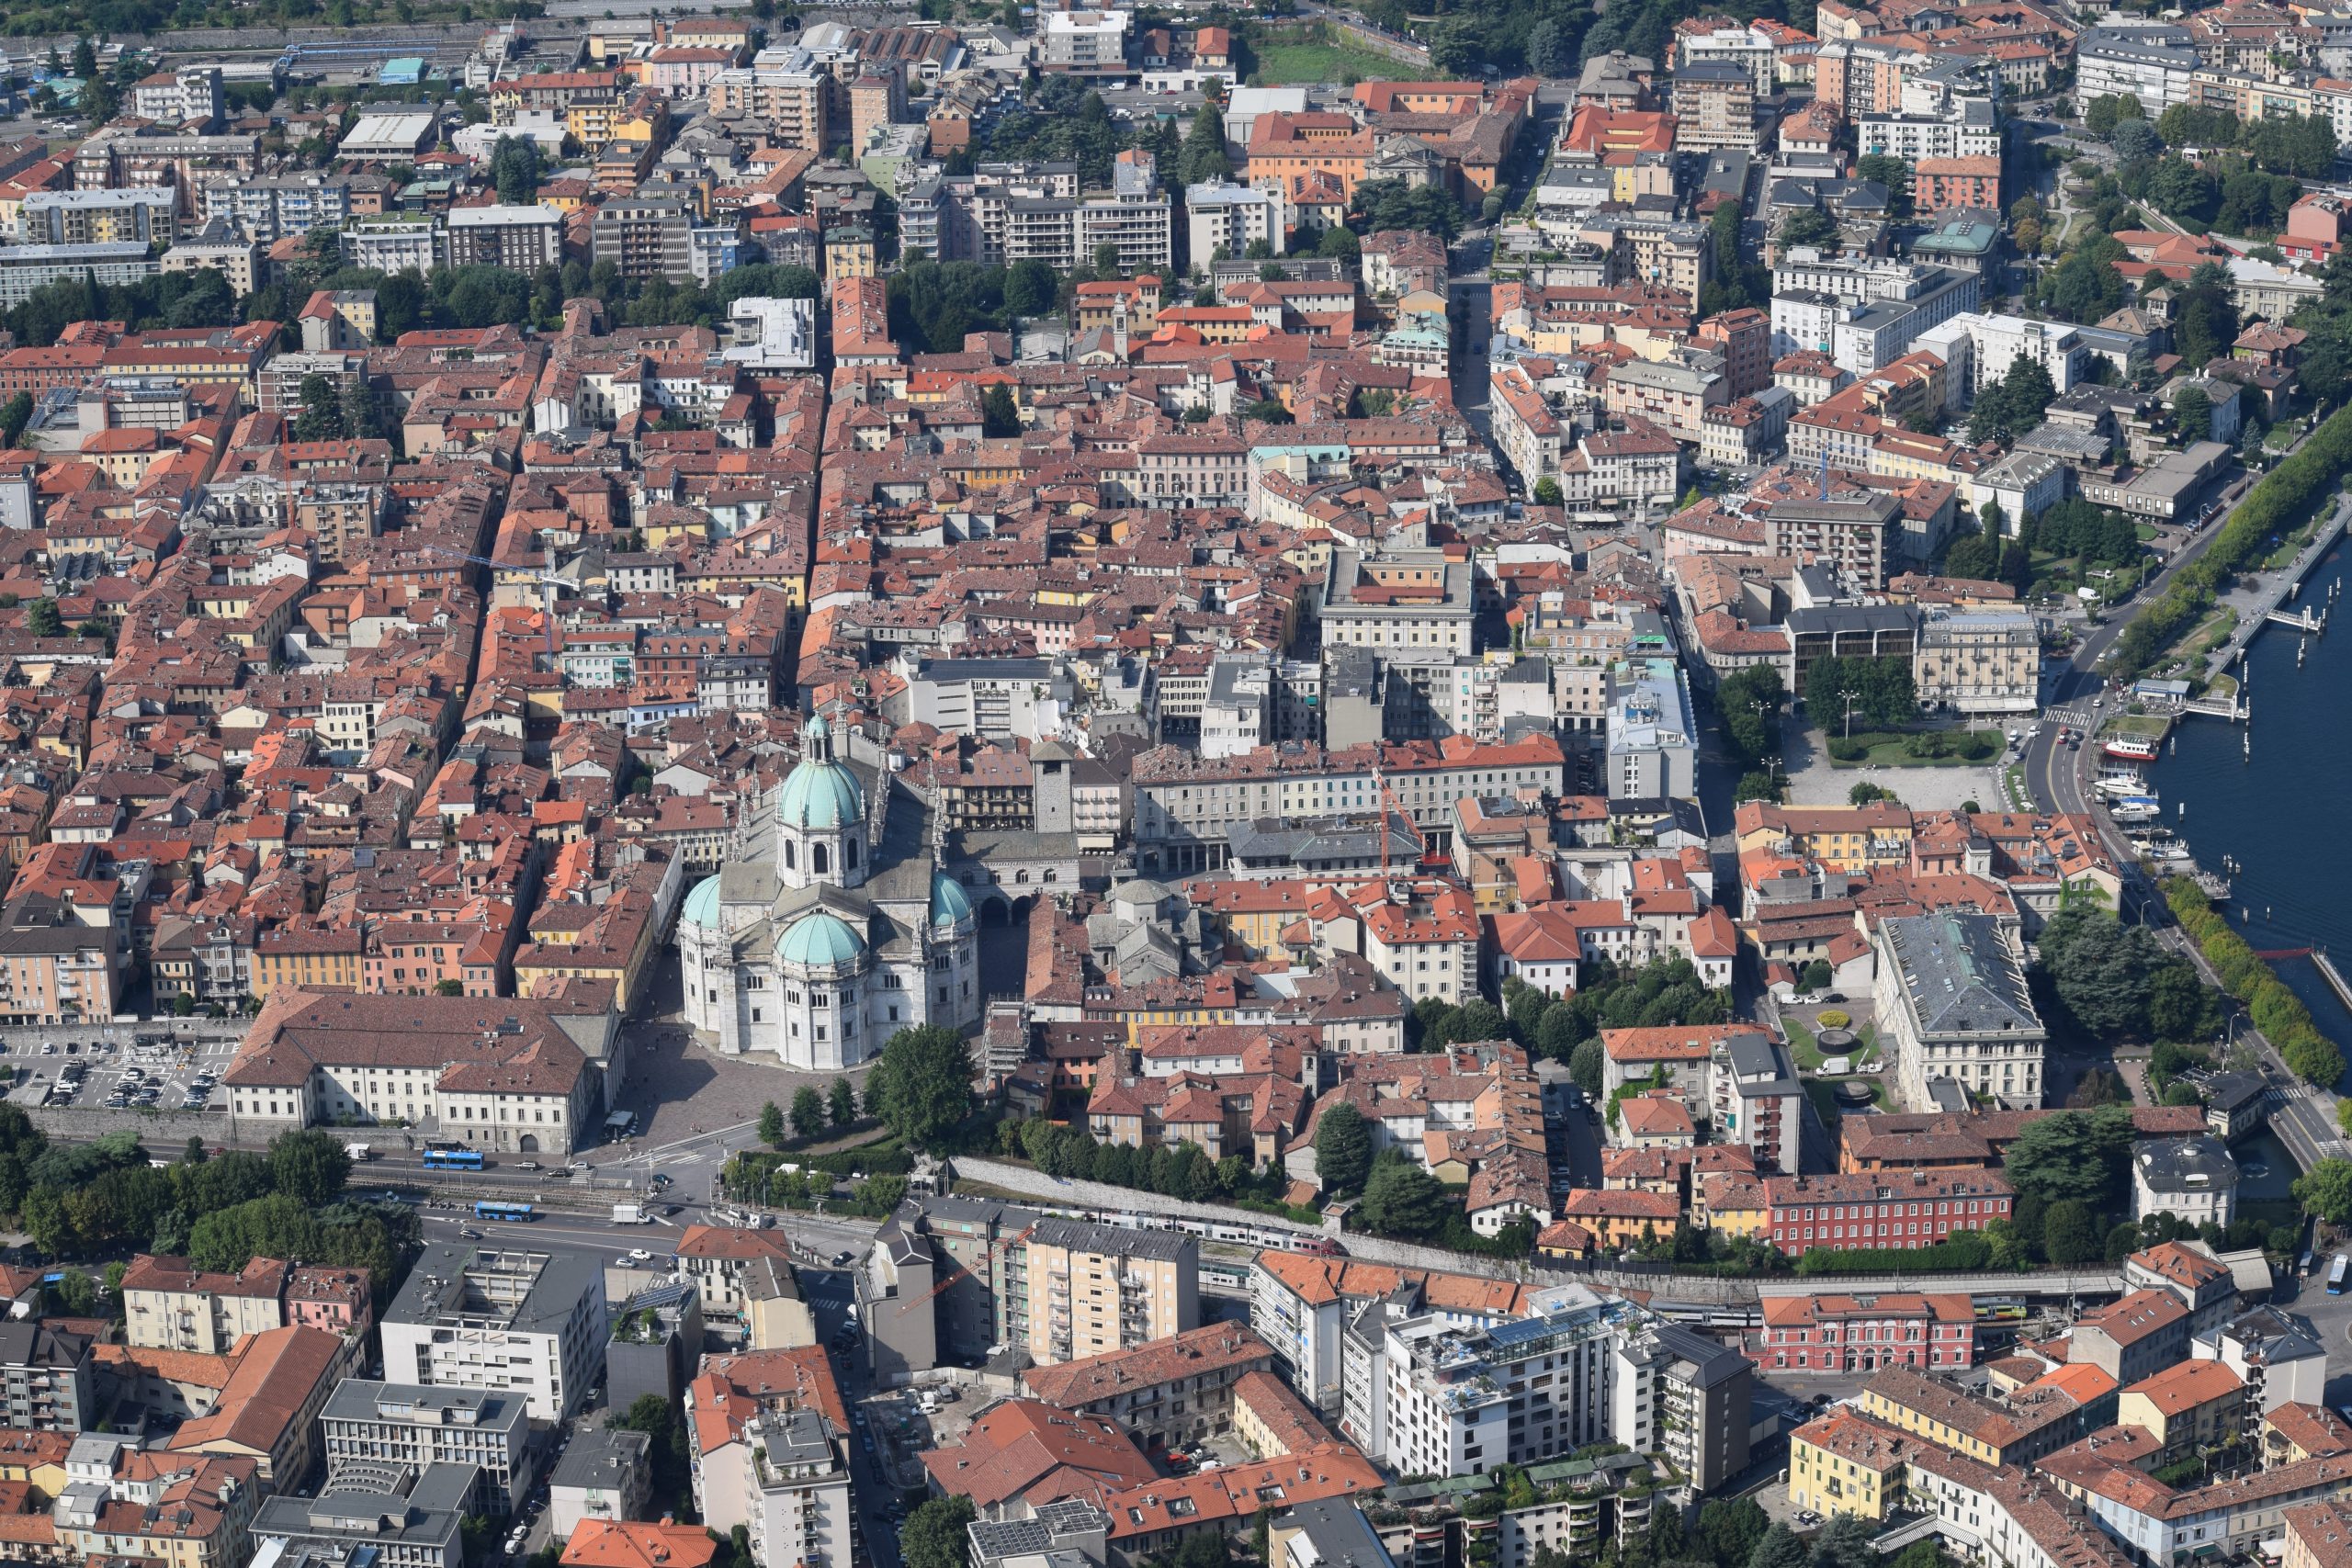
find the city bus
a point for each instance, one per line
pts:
(451, 1156)
(2335, 1273)
(499, 1211)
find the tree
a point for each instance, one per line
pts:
(2101, 970)
(1778, 1547)
(1816, 975)
(1588, 1069)
(1808, 226)
(1729, 1530)
(808, 1111)
(1204, 160)
(41, 619)
(309, 1165)
(1339, 243)
(934, 1534)
(1549, 50)
(2325, 1190)
(770, 1128)
(2135, 140)
(2069, 1235)
(1845, 1542)
(515, 170)
(841, 1103)
(998, 416)
(1476, 1020)
(194, 1152)
(1547, 491)
(2192, 414)
(2100, 117)
(2072, 1154)
(1894, 173)
(1402, 1200)
(924, 1078)
(1342, 1148)
(1749, 702)
(14, 415)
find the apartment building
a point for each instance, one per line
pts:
(1686, 1397)
(1085, 43)
(367, 1422)
(1953, 1004)
(747, 1287)
(771, 1459)
(1671, 394)
(56, 967)
(521, 1321)
(97, 217)
(521, 239)
(1715, 105)
(47, 1378)
(1169, 1393)
(393, 241)
(1651, 737)
(1977, 349)
(176, 97)
(788, 90)
(644, 236)
(169, 1306)
(1461, 1401)
(1932, 1408)
(1071, 1289)
(124, 1504)
(1232, 218)
(2152, 61)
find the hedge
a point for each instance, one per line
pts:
(2275, 1010)
(2274, 507)
(1966, 1253)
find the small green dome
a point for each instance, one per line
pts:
(702, 906)
(948, 905)
(821, 794)
(821, 940)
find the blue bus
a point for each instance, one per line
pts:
(495, 1211)
(451, 1156)
(2335, 1273)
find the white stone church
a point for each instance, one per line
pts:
(832, 929)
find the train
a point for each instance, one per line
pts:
(1237, 1232)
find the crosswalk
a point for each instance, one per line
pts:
(2072, 718)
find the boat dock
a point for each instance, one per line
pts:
(2271, 606)
(2334, 978)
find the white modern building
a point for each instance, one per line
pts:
(526, 1321)
(2152, 61)
(2193, 1179)
(772, 335)
(1652, 739)
(1230, 217)
(1978, 349)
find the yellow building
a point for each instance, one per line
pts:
(849, 252)
(1729, 1202)
(2189, 1405)
(321, 958)
(1845, 1463)
(1081, 1290)
(1842, 838)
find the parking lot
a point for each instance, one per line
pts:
(117, 1067)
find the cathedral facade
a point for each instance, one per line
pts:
(832, 929)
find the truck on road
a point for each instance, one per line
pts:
(631, 1215)
(360, 1153)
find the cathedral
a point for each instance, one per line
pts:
(833, 928)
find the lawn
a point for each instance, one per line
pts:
(2222, 688)
(1890, 751)
(2153, 725)
(1306, 61)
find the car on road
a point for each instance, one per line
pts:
(638, 1254)
(526, 1165)
(841, 1260)
(469, 1233)
(1808, 1517)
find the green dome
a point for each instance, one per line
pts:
(702, 906)
(820, 794)
(821, 940)
(948, 905)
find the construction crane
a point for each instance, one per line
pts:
(1387, 801)
(957, 1271)
(548, 579)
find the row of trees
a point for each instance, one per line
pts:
(2275, 508)
(812, 1112)
(221, 1211)
(2275, 1010)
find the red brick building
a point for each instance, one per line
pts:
(1862, 1334)
(1889, 1209)
(1938, 183)
(1743, 337)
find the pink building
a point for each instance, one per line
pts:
(680, 71)
(1854, 1334)
(336, 1300)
